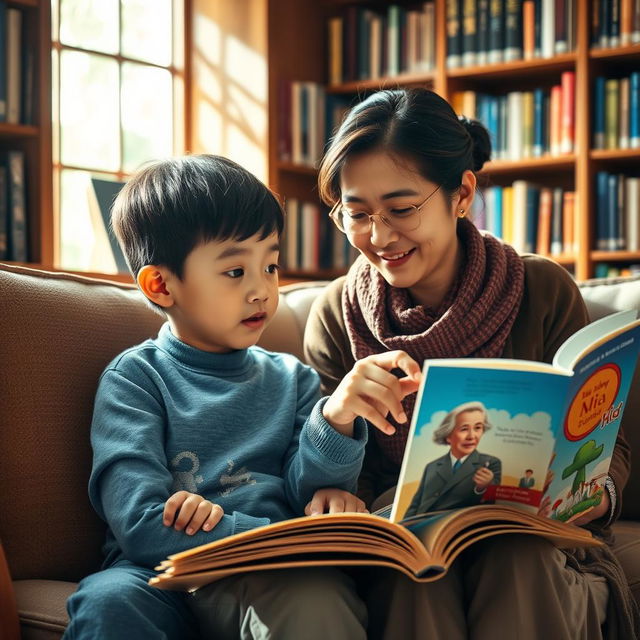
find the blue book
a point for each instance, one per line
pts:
(493, 118)
(538, 123)
(634, 110)
(602, 218)
(496, 30)
(599, 92)
(497, 216)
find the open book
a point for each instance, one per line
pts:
(553, 429)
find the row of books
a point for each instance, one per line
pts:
(608, 270)
(17, 73)
(311, 241)
(614, 23)
(14, 240)
(366, 44)
(525, 124)
(481, 32)
(531, 218)
(618, 212)
(307, 119)
(616, 117)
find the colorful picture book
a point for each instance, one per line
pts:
(537, 440)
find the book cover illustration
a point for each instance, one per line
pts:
(528, 434)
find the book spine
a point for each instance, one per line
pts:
(482, 54)
(614, 32)
(284, 121)
(604, 23)
(632, 201)
(635, 33)
(513, 30)
(335, 51)
(514, 132)
(497, 212)
(4, 215)
(18, 232)
(454, 34)
(602, 225)
(3, 66)
(14, 65)
(634, 110)
(555, 109)
(547, 28)
(626, 22)
(375, 49)
(623, 116)
(612, 93)
(519, 239)
(532, 211)
(393, 41)
(556, 222)
(568, 218)
(496, 30)
(568, 80)
(537, 43)
(538, 123)
(571, 25)
(469, 33)
(561, 40)
(529, 29)
(507, 215)
(612, 213)
(363, 41)
(543, 244)
(428, 36)
(296, 123)
(291, 234)
(527, 124)
(599, 92)
(622, 222)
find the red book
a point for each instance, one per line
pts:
(568, 107)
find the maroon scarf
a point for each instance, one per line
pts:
(474, 319)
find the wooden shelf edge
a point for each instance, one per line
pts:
(18, 130)
(24, 3)
(297, 168)
(614, 53)
(545, 162)
(504, 68)
(615, 154)
(615, 256)
(387, 82)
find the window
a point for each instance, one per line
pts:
(118, 101)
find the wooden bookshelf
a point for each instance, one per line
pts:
(302, 56)
(34, 140)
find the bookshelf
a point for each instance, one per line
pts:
(34, 139)
(298, 37)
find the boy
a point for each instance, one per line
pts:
(200, 415)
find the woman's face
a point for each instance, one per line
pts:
(467, 432)
(424, 260)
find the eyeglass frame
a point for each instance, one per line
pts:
(333, 214)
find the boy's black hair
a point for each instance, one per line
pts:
(171, 206)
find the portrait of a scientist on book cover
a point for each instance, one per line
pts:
(461, 476)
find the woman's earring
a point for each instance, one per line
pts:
(461, 213)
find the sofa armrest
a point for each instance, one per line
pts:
(9, 625)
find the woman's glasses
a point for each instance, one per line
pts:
(400, 218)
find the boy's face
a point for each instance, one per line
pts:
(228, 293)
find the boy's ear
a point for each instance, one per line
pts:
(151, 280)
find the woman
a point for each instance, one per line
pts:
(400, 174)
(461, 476)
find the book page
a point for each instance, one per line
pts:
(586, 339)
(499, 424)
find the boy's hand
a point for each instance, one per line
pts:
(184, 509)
(370, 390)
(334, 501)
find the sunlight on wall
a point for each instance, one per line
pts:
(229, 106)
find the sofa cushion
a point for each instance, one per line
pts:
(42, 607)
(59, 332)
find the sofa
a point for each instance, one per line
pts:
(58, 333)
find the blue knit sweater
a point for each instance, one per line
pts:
(243, 429)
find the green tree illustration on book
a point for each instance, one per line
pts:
(583, 495)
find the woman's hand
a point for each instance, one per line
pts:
(482, 478)
(334, 501)
(370, 390)
(184, 509)
(599, 511)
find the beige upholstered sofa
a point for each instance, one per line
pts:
(58, 333)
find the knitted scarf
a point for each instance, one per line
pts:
(474, 319)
